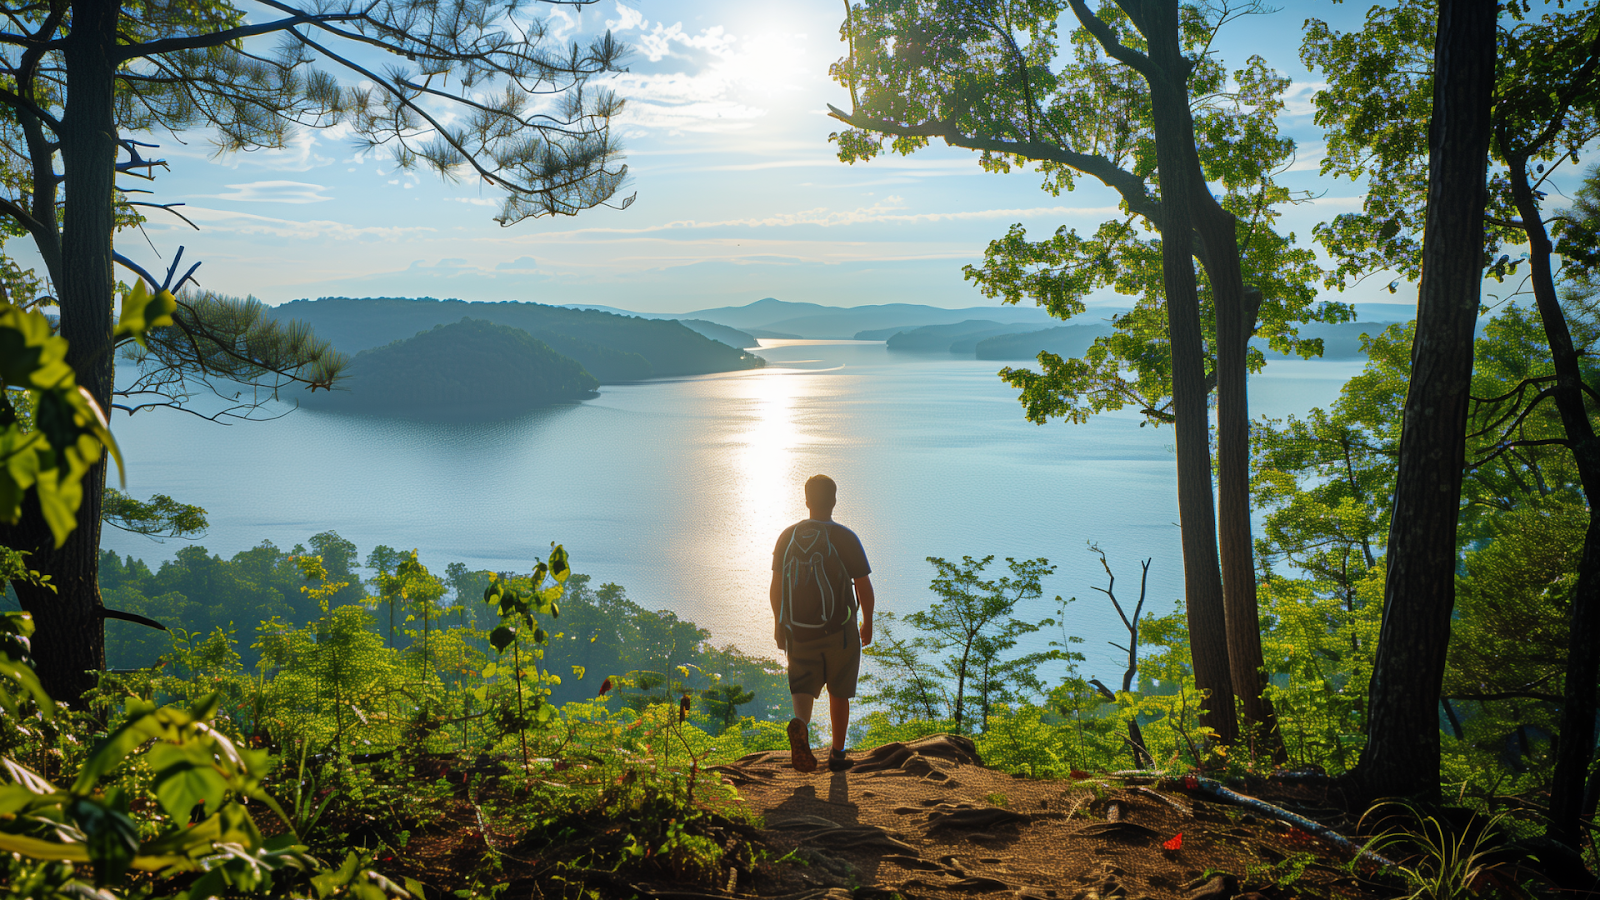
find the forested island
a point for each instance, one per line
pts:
(471, 369)
(452, 360)
(613, 348)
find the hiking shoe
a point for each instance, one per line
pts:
(839, 762)
(800, 747)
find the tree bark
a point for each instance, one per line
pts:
(1401, 757)
(1178, 166)
(1576, 746)
(69, 645)
(1235, 324)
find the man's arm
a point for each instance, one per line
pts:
(865, 599)
(775, 594)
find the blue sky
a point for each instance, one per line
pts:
(740, 195)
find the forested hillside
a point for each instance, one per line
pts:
(611, 347)
(469, 370)
(234, 603)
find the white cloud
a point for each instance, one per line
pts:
(1333, 203)
(230, 222)
(721, 80)
(1297, 100)
(272, 192)
(883, 212)
(298, 155)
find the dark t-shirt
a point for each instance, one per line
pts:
(845, 543)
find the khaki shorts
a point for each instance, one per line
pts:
(834, 660)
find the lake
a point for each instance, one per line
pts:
(677, 488)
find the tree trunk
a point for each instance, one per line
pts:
(1179, 167)
(69, 645)
(1576, 746)
(1235, 324)
(1402, 753)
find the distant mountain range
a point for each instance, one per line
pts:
(961, 337)
(774, 318)
(1006, 333)
(1066, 341)
(733, 337)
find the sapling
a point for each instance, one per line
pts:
(518, 606)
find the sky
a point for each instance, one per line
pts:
(739, 193)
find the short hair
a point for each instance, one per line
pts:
(821, 492)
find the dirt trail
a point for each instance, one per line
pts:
(926, 820)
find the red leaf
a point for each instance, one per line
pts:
(604, 686)
(1190, 782)
(1079, 775)
(1175, 844)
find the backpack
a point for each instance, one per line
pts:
(814, 578)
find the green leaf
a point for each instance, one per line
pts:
(109, 753)
(25, 678)
(185, 776)
(559, 567)
(143, 309)
(16, 797)
(42, 849)
(31, 355)
(501, 638)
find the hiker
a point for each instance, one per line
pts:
(819, 580)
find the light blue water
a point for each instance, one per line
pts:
(676, 489)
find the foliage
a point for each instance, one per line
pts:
(520, 603)
(973, 627)
(603, 630)
(1443, 859)
(1021, 92)
(191, 67)
(1375, 111)
(200, 781)
(65, 432)
(1324, 485)
(159, 517)
(216, 343)
(330, 684)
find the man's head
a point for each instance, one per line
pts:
(821, 493)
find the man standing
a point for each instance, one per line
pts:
(819, 581)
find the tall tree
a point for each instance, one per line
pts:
(466, 94)
(1402, 753)
(1544, 113)
(1137, 101)
(1549, 86)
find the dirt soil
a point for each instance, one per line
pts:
(926, 820)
